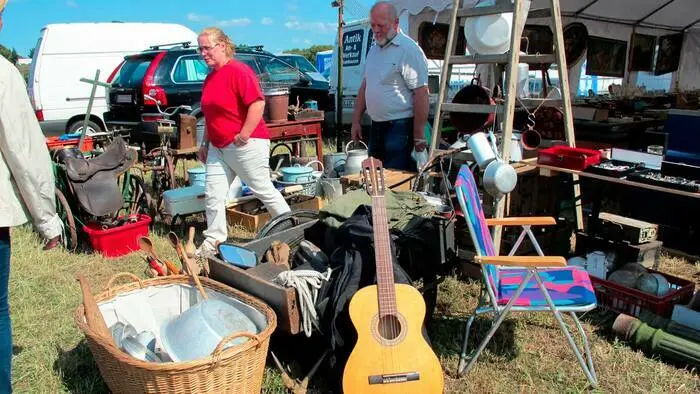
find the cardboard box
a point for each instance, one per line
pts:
(238, 216)
(590, 113)
(392, 178)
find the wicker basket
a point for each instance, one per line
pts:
(237, 369)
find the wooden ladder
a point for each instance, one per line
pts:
(511, 60)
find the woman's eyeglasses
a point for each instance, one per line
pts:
(206, 48)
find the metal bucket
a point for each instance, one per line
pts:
(330, 188)
(334, 161)
(276, 104)
(481, 149)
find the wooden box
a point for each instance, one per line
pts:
(187, 137)
(395, 180)
(647, 254)
(238, 216)
(620, 228)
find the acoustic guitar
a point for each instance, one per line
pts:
(391, 355)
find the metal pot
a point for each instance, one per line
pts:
(472, 94)
(499, 178)
(296, 173)
(353, 163)
(334, 161)
(319, 173)
(331, 188)
(481, 149)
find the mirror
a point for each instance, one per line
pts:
(238, 256)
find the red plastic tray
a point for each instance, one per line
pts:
(117, 241)
(54, 143)
(630, 301)
(568, 157)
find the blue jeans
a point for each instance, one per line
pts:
(392, 143)
(5, 326)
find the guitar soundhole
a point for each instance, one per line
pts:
(389, 327)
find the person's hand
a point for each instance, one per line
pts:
(203, 153)
(356, 132)
(240, 139)
(419, 144)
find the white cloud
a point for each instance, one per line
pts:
(307, 42)
(194, 17)
(266, 21)
(321, 27)
(238, 22)
(71, 4)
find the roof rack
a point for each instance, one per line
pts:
(258, 48)
(183, 44)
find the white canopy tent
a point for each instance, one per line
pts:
(616, 19)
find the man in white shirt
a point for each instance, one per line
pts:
(26, 188)
(394, 92)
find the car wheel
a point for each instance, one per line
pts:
(92, 127)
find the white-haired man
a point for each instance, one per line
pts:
(394, 92)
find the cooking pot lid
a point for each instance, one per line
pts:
(296, 170)
(503, 176)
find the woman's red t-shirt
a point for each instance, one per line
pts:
(226, 95)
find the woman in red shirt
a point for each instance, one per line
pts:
(236, 142)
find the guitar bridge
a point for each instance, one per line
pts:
(394, 378)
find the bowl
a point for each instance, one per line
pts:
(490, 34)
(198, 330)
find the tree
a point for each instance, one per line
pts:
(10, 55)
(31, 53)
(310, 53)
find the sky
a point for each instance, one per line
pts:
(276, 24)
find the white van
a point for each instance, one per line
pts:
(67, 52)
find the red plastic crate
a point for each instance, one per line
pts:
(568, 157)
(54, 143)
(117, 241)
(630, 301)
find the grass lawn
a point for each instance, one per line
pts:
(528, 354)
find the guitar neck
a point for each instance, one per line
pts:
(383, 257)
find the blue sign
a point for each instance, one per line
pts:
(352, 47)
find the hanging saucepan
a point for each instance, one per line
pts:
(499, 178)
(473, 93)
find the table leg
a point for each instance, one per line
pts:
(319, 147)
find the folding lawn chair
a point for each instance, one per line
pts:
(508, 280)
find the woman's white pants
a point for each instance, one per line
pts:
(251, 164)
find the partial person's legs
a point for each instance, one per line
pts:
(398, 145)
(375, 145)
(251, 163)
(219, 178)
(5, 325)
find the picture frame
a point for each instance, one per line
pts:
(606, 57)
(642, 53)
(668, 57)
(432, 38)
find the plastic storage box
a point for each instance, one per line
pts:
(184, 201)
(117, 241)
(568, 157)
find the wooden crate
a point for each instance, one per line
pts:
(394, 180)
(238, 216)
(620, 228)
(647, 254)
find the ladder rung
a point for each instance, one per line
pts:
(480, 11)
(471, 108)
(538, 101)
(505, 58)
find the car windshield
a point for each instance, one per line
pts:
(300, 62)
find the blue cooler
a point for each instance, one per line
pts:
(184, 200)
(197, 176)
